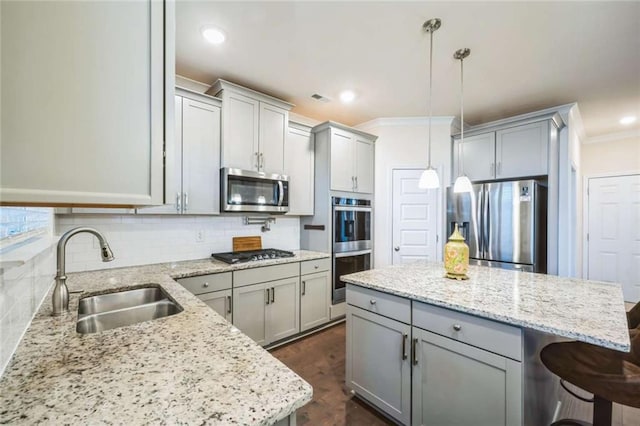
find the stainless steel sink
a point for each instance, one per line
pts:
(113, 310)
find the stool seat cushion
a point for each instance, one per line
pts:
(610, 374)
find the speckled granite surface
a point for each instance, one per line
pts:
(589, 311)
(190, 368)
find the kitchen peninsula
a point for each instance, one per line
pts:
(193, 367)
(422, 347)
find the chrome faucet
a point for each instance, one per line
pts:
(60, 297)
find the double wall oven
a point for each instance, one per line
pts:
(351, 241)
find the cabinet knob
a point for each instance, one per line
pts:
(372, 301)
(457, 327)
(205, 285)
(316, 267)
(396, 248)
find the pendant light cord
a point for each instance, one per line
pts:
(461, 150)
(430, 92)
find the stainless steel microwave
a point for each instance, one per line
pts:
(249, 191)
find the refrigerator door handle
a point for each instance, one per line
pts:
(486, 225)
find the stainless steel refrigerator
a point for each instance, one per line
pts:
(504, 223)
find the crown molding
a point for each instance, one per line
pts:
(403, 121)
(613, 137)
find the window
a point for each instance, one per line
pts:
(18, 224)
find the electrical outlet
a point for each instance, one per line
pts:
(200, 236)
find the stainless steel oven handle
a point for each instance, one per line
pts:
(352, 209)
(352, 253)
(280, 192)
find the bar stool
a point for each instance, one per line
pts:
(611, 376)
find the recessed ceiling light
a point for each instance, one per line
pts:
(627, 120)
(347, 96)
(213, 35)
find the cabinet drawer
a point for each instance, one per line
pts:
(385, 304)
(207, 283)
(490, 335)
(266, 273)
(313, 266)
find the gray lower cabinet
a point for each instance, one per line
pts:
(268, 312)
(378, 362)
(314, 300)
(219, 301)
(458, 384)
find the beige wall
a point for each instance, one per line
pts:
(611, 157)
(402, 143)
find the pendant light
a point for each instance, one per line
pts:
(429, 178)
(462, 183)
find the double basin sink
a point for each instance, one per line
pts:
(128, 307)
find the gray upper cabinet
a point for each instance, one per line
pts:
(84, 86)
(351, 157)
(478, 156)
(254, 128)
(192, 182)
(522, 150)
(299, 165)
(508, 152)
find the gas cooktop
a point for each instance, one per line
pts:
(251, 256)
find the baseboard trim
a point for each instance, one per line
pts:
(304, 334)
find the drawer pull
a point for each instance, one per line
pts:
(457, 327)
(205, 285)
(372, 301)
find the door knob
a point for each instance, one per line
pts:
(396, 248)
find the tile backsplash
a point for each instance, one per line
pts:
(144, 239)
(22, 290)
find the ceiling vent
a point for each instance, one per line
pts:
(320, 98)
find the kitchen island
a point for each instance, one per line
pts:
(193, 367)
(424, 349)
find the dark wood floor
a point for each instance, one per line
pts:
(320, 360)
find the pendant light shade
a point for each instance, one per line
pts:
(462, 183)
(429, 178)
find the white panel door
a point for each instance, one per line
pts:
(342, 161)
(240, 131)
(249, 310)
(364, 165)
(274, 123)
(283, 312)
(299, 165)
(478, 154)
(200, 157)
(414, 218)
(613, 236)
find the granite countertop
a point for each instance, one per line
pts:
(589, 311)
(190, 368)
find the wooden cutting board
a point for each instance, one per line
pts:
(247, 243)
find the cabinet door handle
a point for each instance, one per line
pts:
(353, 183)
(229, 304)
(178, 201)
(356, 183)
(304, 288)
(255, 154)
(414, 351)
(261, 161)
(268, 297)
(273, 295)
(457, 327)
(404, 345)
(186, 201)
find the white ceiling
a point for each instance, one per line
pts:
(524, 56)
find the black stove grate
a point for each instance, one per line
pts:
(251, 256)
